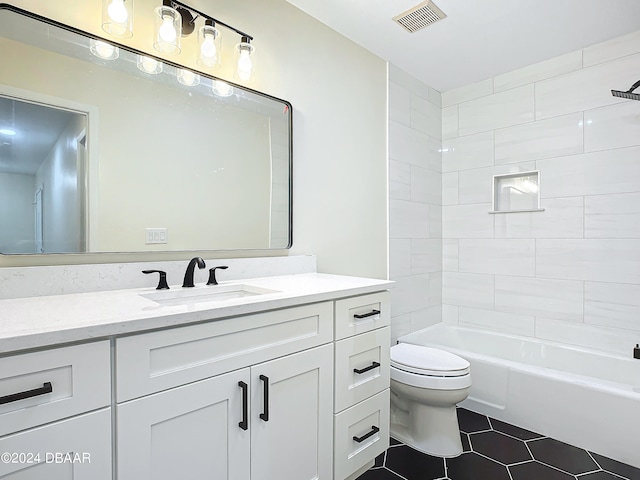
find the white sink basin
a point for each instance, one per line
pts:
(213, 293)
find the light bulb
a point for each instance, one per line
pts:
(188, 78)
(208, 48)
(244, 65)
(222, 89)
(149, 65)
(118, 12)
(167, 31)
(104, 50)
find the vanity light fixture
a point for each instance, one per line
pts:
(175, 19)
(117, 17)
(149, 65)
(103, 50)
(10, 132)
(188, 78)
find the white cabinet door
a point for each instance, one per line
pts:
(291, 419)
(191, 432)
(75, 449)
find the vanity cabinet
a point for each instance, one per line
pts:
(296, 392)
(262, 421)
(361, 404)
(55, 419)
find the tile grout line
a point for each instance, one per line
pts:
(602, 468)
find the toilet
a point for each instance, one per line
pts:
(426, 385)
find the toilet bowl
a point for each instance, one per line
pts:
(426, 385)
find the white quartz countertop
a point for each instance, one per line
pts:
(27, 323)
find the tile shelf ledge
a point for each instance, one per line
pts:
(495, 212)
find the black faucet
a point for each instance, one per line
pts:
(188, 275)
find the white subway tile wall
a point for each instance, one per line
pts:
(415, 204)
(570, 273)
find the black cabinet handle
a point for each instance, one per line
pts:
(365, 315)
(14, 397)
(373, 431)
(265, 414)
(366, 369)
(244, 424)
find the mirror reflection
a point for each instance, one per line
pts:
(105, 150)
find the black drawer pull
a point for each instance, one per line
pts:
(265, 414)
(244, 424)
(365, 315)
(366, 369)
(14, 397)
(373, 431)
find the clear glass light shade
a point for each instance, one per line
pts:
(188, 78)
(149, 65)
(222, 89)
(117, 17)
(168, 31)
(209, 46)
(103, 50)
(245, 55)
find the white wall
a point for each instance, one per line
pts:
(16, 213)
(338, 92)
(415, 211)
(572, 272)
(62, 229)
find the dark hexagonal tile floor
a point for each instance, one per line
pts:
(537, 471)
(470, 466)
(500, 447)
(495, 450)
(561, 455)
(413, 465)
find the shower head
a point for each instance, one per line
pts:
(629, 93)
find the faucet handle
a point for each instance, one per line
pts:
(212, 274)
(162, 282)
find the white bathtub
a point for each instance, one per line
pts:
(586, 398)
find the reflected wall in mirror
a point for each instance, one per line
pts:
(103, 156)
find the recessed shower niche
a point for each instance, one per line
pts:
(516, 192)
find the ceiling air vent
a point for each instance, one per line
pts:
(420, 16)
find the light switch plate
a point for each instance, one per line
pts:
(156, 235)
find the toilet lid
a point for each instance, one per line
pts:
(428, 361)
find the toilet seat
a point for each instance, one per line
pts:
(421, 360)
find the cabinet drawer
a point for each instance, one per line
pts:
(78, 448)
(361, 367)
(157, 361)
(49, 385)
(361, 421)
(361, 314)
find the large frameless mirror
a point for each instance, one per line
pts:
(103, 149)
